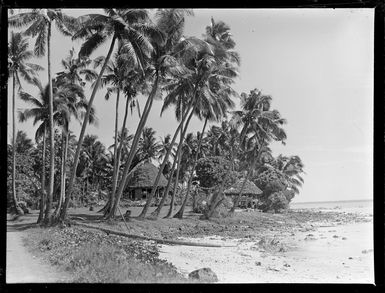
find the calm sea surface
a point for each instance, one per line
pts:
(364, 206)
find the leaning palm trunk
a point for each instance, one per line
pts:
(134, 145)
(155, 214)
(148, 202)
(178, 158)
(170, 210)
(179, 214)
(42, 198)
(82, 133)
(14, 198)
(47, 216)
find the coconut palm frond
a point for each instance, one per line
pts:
(92, 43)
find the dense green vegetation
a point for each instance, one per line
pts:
(149, 57)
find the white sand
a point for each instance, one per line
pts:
(321, 258)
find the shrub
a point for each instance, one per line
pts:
(211, 171)
(276, 202)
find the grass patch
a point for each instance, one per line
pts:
(93, 257)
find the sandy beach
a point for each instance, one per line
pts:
(321, 253)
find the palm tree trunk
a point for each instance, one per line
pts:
(65, 163)
(61, 198)
(178, 158)
(119, 152)
(148, 202)
(14, 198)
(63, 212)
(43, 194)
(47, 216)
(179, 214)
(155, 214)
(116, 145)
(134, 145)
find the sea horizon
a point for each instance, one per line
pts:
(357, 205)
(332, 201)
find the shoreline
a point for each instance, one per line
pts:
(267, 247)
(338, 253)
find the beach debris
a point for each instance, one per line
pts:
(344, 238)
(204, 275)
(350, 257)
(258, 263)
(287, 265)
(335, 236)
(307, 238)
(367, 251)
(273, 269)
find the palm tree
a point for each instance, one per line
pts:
(40, 24)
(40, 114)
(74, 99)
(129, 27)
(148, 148)
(76, 70)
(93, 160)
(170, 172)
(184, 94)
(220, 71)
(23, 142)
(261, 125)
(176, 182)
(164, 146)
(121, 78)
(182, 128)
(71, 82)
(289, 168)
(170, 23)
(18, 57)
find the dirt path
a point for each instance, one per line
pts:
(22, 266)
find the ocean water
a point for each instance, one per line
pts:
(361, 206)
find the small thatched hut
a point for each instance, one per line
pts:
(250, 192)
(141, 181)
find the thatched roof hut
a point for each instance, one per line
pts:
(249, 189)
(144, 177)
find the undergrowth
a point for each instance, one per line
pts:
(92, 257)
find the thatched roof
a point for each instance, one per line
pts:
(249, 189)
(144, 177)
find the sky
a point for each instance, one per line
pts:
(317, 64)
